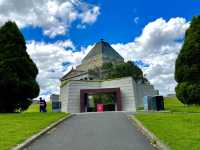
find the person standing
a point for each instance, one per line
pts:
(43, 105)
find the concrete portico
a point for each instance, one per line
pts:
(71, 97)
(116, 91)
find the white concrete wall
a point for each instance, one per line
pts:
(132, 93)
(139, 92)
(126, 86)
(64, 97)
(72, 92)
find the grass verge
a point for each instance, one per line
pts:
(179, 128)
(17, 127)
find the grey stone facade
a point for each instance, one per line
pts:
(131, 99)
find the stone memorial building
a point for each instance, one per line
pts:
(81, 86)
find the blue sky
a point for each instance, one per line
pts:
(116, 22)
(59, 33)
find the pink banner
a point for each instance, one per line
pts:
(99, 107)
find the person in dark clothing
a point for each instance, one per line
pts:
(43, 105)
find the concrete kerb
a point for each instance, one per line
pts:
(155, 141)
(37, 135)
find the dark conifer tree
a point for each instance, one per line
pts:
(17, 71)
(187, 69)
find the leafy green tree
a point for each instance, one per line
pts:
(122, 70)
(105, 98)
(187, 69)
(17, 71)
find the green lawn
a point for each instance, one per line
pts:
(16, 127)
(179, 128)
(175, 105)
(35, 107)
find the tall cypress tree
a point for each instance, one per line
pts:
(17, 71)
(187, 69)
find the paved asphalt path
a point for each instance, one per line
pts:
(93, 131)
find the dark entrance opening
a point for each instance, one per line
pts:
(106, 102)
(108, 98)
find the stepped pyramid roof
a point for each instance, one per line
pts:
(100, 54)
(104, 49)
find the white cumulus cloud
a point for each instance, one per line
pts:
(50, 59)
(53, 16)
(158, 46)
